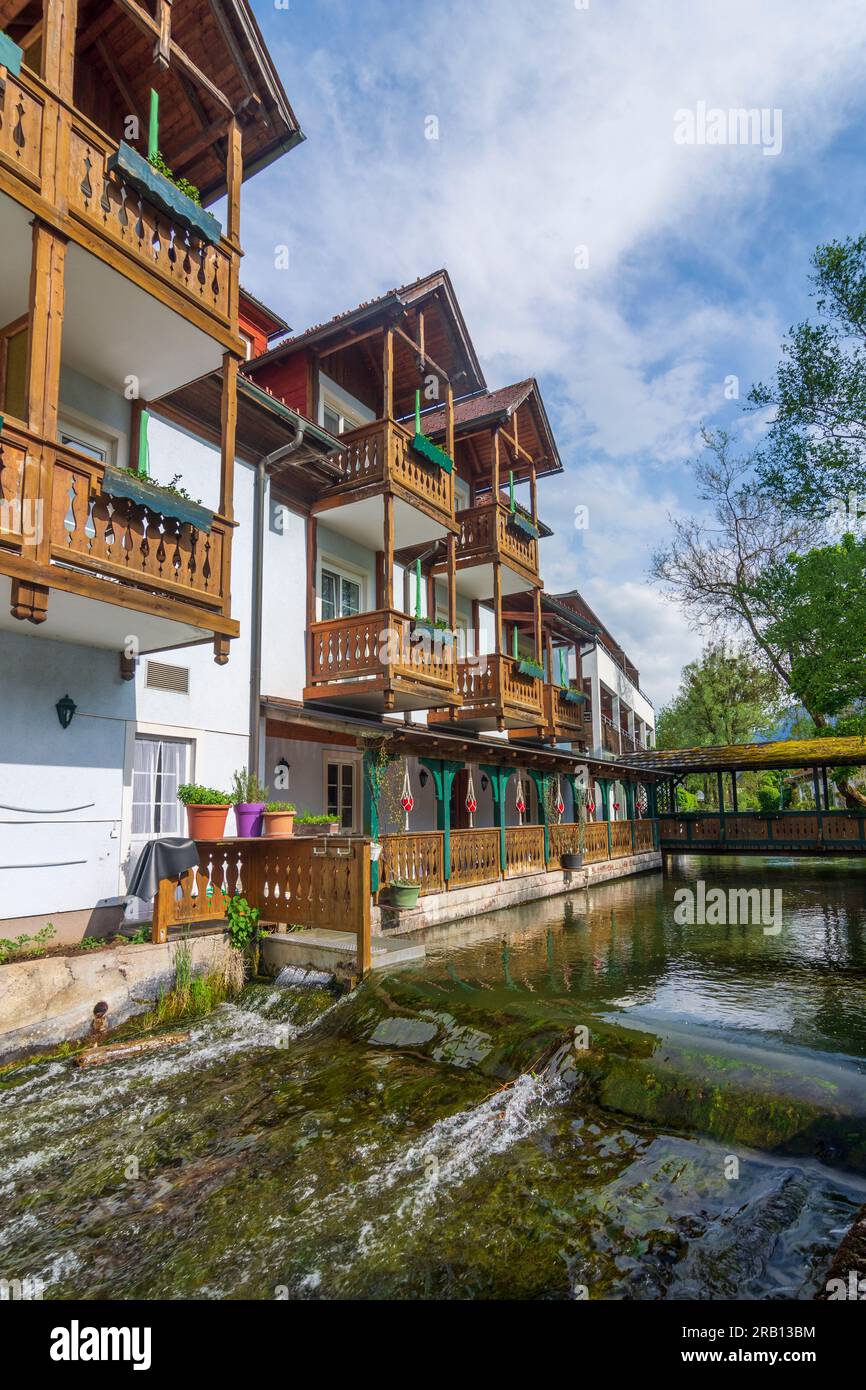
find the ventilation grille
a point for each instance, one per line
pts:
(161, 676)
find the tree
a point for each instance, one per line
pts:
(816, 445)
(725, 697)
(815, 609)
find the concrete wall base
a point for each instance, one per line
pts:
(439, 908)
(331, 950)
(48, 1001)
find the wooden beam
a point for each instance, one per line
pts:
(388, 375)
(452, 581)
(162, 47)
(233, 46)
(143, 21)
(119, 81)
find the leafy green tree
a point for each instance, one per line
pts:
(815, 607)
(725, 697)
(816, 447)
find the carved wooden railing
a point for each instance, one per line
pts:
(474, 857)
(101, 209)
(22, 111)
(118, 539)
(563, 717)
(110, 205)
(596, 847)
(620, 839)
(643, 836)
(524, 850)
(409, 858)
(609, 736)
(487, 533)
(305, 882)
(492, 687)
(378, 645)
(564, 839)
(761, 830)
(381, 452)
(79, 526)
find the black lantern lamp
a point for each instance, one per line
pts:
(422, 776)
(65, 710)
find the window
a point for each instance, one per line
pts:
(88, 441)
(340, 796)
(159, 768)
(13, 368)
(249, 346)
(341, 596)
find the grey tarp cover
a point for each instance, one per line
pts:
(161, 859)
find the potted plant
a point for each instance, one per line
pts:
(206, 811)
(310, 824)
(279, 818)
(249, 799)
(402, 894)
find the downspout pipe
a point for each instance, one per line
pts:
(263, 468)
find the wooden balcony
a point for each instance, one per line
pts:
(61, 530)
(610, 736)
(490, 533)
(494, 694)
(379, 661)
(564, 720)
(54, 161)
(379, 458)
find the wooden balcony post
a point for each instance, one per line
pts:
(449, 421)
(312, 541)
(388, 562)
(388, 375)
(495, 479)
(234, 180)
(533, 493)
(228, 431)
(452, 581)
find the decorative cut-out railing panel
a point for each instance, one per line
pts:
(487, 533)
(377, 647)
(524, 850)
(121, 540)
(22, 112)
(408, 858)
(107, 202)
(380, 453)
(474, 857)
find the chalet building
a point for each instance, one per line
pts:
(223, 545)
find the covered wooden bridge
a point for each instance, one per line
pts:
(822, 830)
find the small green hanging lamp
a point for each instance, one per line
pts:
(563, 669)
(418, 588)
(511, 502)
(515, 642)
(417, 412)
(153, 127)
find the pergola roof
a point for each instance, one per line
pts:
(743, 757)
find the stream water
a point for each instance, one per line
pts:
(450, 1129)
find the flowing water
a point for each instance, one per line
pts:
(577, 1098)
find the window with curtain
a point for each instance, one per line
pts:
(159, 768)
(341, 597)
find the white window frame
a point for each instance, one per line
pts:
(93, 432)
(343, 571)
(343, 760)
(351, 413)
(140, 735)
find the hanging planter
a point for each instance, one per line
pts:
(573, 697)
(471, 800)
(120, 482)
(403, 895)
(559, 804)
(520, 797)
(407, 800)
(438, 632)
(531, 668)
(425, 447)
(164, 194)
(523, 524)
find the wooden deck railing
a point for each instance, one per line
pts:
(488, 533)
(410, 858)
(818, 832)
(105, 214)
(76, 534)
(303, 882)
(381, 453)
(376, 646)
(493, 688)
(475, 854)
(563, 717)
(609, 736)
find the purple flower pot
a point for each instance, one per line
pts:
(249, 818)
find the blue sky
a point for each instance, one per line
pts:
(556, 131)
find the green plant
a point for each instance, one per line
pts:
(91, 943)
(181, 184)
(171, 489)
(285, 806)
(26, 945)
(191, 794)
(140, 937)
(246, 788)
(308, 818)
(243, 922)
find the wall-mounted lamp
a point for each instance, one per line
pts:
(484, 784)
(422, 776)
(65, 710)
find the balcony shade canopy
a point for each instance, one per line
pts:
(745, 757)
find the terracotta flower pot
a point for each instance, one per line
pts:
(248, 818)
(278, 823)
(206, 822)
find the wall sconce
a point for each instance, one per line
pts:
(422, 776)
(65, 710)
(483, 783)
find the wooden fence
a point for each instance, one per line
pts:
(762, 832)
(475, 854)
(303, 882)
